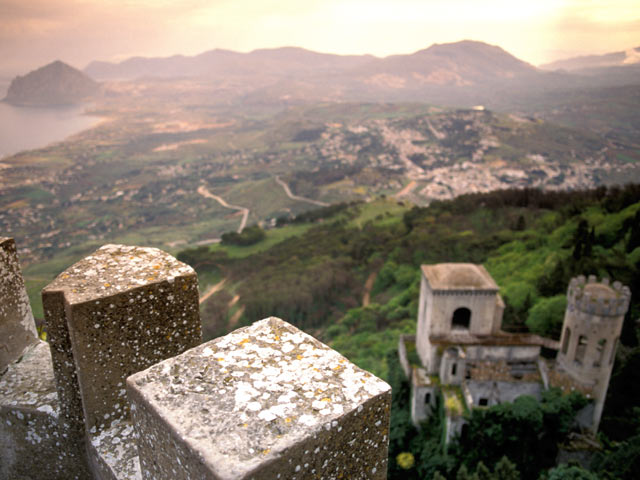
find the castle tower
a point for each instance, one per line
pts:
(590, 334)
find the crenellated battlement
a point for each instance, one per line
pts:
(125, 391)
(588, 295)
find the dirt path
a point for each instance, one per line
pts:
(202, 190)
(436, 133)
(212, 290)
(236, 316)
(287, 190)
(407, 189)
(233, 301)
(368, 285)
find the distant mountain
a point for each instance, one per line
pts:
(460, 74)
(282, 62)
(53, 84)
(460, 64)
(454, 64)
(615, 59)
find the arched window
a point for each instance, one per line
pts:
(581, 348)
(454, 369)
(602, 343)
(565, 341)
(461, 318)
(427, 398)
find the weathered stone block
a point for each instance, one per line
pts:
(17, 328)
(116, 312)
(113, 453)
(264, 402)
(33, 444)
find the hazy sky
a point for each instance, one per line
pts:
(35, 32)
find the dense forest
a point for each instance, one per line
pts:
(349, 274)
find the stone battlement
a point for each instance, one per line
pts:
(601, 298)
(124, 389)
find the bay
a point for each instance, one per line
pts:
(25, 128)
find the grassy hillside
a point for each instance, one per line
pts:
(349, 274)
(317, 273)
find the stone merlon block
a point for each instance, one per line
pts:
(114, 313)
(263, 402)
(17, 328)
(33, 444)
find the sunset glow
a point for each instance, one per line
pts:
(79, 31)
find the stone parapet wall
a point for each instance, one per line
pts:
(283, 404)
(264, 402)
(17, 328)
(34, 442)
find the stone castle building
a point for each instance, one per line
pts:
(461, 353)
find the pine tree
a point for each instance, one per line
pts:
(482, 472)
(505, 470)
(634, 237)
(463, 473)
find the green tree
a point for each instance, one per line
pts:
(482, 472)
(506, 470)
(581, 240)
(621, 416)
(573, 472)
(248, 236)
(634, 236)
(546, 316)
(463, 474)
(526, 431)
(620, 463)
(554, 282)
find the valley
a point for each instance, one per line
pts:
(313, 187)
(179, 160)
(184, 173)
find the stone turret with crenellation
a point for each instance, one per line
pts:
(590, 334)
(598, 298)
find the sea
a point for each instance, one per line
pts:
(26, 128)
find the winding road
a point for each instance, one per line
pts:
(212, 290)
(287, 190)
(202, 190)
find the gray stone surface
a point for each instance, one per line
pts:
(116, 312)
(264, 402)
(17, 328)
(113, 452)
(33, 443)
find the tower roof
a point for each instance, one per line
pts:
(458, 276)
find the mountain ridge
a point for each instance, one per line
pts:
(611, 59)
(286, 61)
